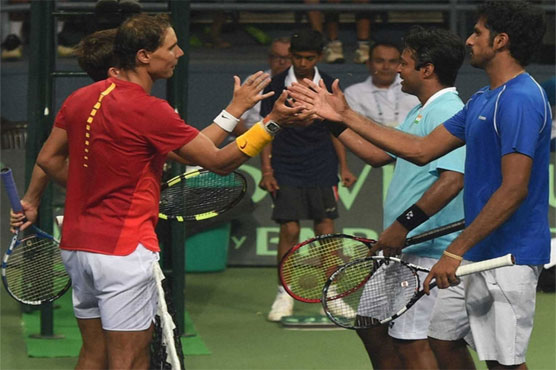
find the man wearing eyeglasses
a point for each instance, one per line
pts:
(278, 61)
(300, 171)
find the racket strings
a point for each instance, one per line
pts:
(35, 270)
(204, 193)
(374, 297)
(306, 269)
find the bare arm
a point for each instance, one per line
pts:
(30, 201)
(368, 152)
(53, 156)
(333, 106)
(445, 188)
(244, 97)
(516, 170)
(347, 177)
(203, 152)
(268, 181)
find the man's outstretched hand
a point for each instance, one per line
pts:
(326, 105)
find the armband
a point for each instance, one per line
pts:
(254, 140)
(412, 217)
(226, 121)
(335, 128)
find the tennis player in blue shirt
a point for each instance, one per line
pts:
(506, 129)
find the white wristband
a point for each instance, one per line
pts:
(226, 121)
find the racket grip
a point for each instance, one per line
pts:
(436, 233)
(11, 189)
(507, 260)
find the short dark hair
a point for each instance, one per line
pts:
(441, 48)
(307, 40)
(524, 23)
(95, 53)
(387, 44)
(139, 32)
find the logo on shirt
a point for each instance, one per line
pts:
(482, 118)
(417, 119)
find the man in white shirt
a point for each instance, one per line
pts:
(278, 61)
(380, 96)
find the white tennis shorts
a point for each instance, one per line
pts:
(120, 290)
(492, 310)
(414, 323)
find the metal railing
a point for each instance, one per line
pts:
(452, 7)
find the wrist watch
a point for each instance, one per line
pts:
(270, 126)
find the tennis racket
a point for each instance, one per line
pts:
(166, 349)
(305, 268)
(32, 268)
(375, 290)
(199, 195)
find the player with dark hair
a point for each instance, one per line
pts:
(506, 127)
(432, 192)
(95, 54)
(300, 168)
(117, 137)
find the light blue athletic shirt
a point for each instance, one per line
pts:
(410, 181)
(513, 118)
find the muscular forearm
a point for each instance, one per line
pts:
(446, 188)
(368, 152)
(416, 149)
(501, 205)
(57, 171)
(516, 170)
(37, 185)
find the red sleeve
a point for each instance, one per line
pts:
(166, 130)
(60, 120)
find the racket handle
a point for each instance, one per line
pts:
(436, 233)
(11, 189)
(507, 260)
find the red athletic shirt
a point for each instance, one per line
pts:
(118, 138)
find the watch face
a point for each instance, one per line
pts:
(273, 127)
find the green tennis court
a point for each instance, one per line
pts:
(228, 310)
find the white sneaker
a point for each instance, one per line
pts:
(333, 52)
(362, 53)
(282, 306)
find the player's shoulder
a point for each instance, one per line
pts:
(443, 108)
(522, 88)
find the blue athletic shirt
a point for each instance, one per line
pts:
(513, 118)
(410, 181)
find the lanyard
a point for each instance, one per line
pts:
(396, 106)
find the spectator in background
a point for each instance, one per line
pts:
(380, 96)
(278, 61)
(12, 27)
(300, 170)
(333, 53)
